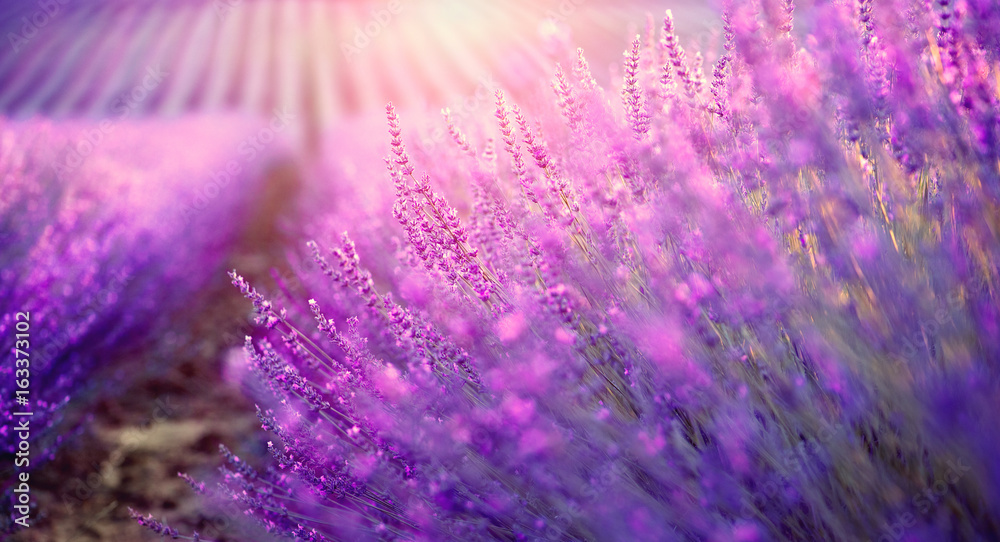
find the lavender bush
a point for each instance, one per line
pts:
(104, 270)
(755, 305)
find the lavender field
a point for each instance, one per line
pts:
(512, 271)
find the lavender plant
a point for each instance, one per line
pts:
(760, 307)
(95, 264)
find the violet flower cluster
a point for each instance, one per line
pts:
(760, 307)
(106, 274)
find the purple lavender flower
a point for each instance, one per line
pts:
(660, 326)
(93, 264)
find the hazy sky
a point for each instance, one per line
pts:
(324, 57)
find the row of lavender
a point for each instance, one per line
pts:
(98, 257)
(758, 305)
